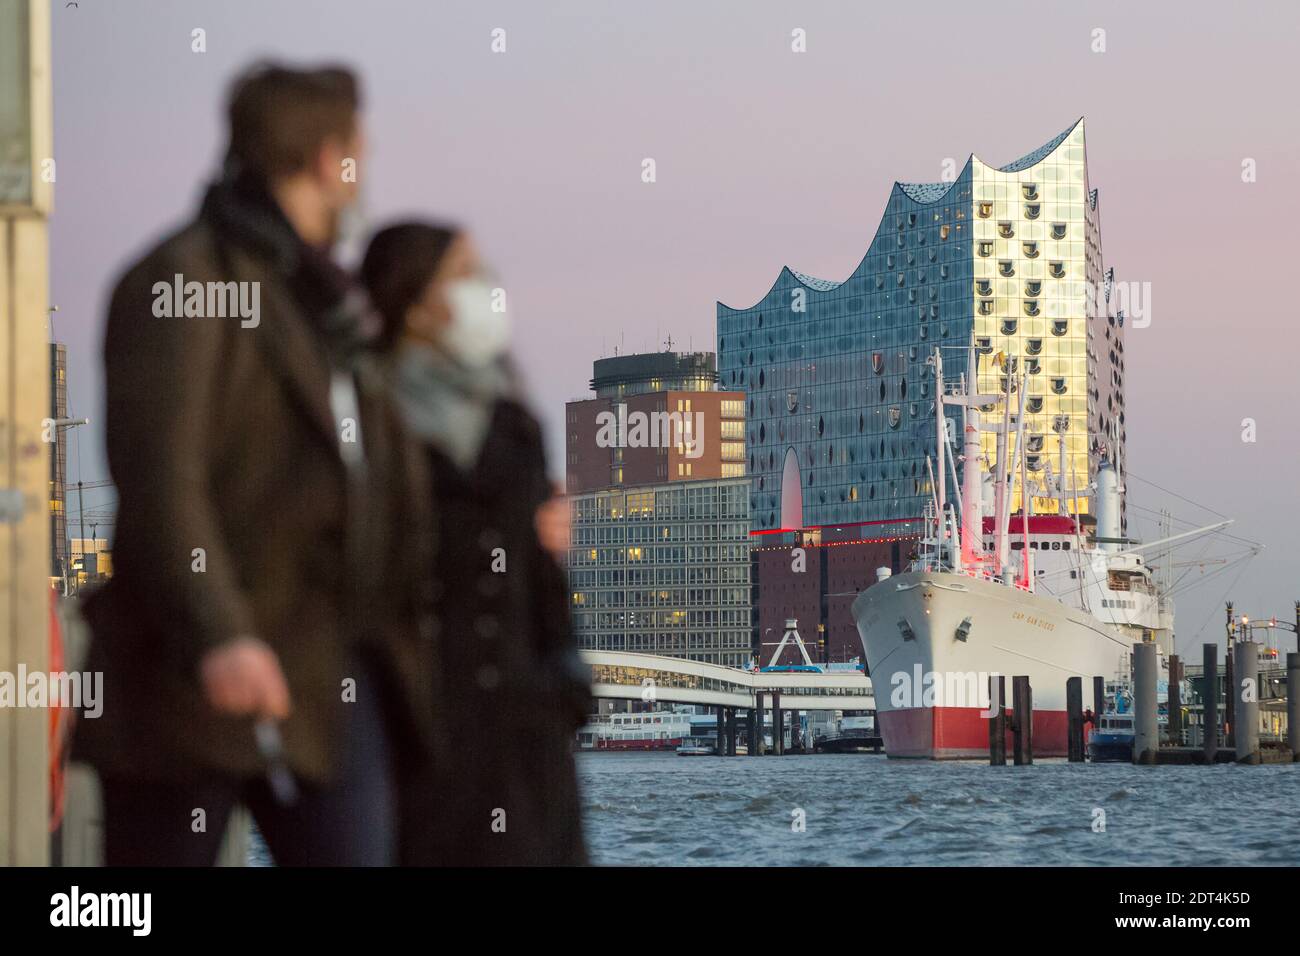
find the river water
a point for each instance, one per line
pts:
(867, 810)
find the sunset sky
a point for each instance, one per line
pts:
(765, 157)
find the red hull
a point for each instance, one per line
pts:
(607, 744)
(957, 733)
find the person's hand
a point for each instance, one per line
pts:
(552, 523)
(243, 677)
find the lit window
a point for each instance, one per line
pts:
(985, 210)
(1058, 230)
(1005, 230)
(986, 249)
(943, 234)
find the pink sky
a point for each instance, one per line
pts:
(765, 158)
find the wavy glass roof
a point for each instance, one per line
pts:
(925, 192)
(812, 282)
(1040, 154)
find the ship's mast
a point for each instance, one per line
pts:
(1062, 424)
(971, 495)
(1026, 503)
(941, 435)
(1000, 480)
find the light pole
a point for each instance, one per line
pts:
(62, 424)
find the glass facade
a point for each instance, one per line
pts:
(663, 569)
(839, 393)
(620, 376)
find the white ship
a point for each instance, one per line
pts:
(1028, 597)
(651, 730)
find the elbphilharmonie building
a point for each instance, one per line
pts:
(1004, 261)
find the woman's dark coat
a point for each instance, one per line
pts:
(503, 788)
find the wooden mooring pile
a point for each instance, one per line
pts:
(1230, 734)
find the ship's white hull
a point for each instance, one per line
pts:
(931, 682)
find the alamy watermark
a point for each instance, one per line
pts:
(209, 300)
(1130, 299)
(922, 688)
(79, 690)
(623, 429)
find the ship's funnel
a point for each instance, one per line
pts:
(1108, 508)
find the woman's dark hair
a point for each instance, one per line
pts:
(398, 265)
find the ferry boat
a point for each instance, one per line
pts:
(697, 747)
(1112, 740)
(653, 730)
(1026, 595)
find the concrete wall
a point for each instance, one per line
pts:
(24, 455)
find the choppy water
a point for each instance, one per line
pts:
(863, 810)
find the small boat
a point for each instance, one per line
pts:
(1112, 740)
(696, 747)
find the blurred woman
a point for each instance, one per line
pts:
(514, 690)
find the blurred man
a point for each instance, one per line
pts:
(259, 639)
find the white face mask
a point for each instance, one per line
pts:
(478, 333)
(350, 230)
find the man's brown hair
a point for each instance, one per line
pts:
(280, 117)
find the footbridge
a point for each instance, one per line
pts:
(621, 675)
